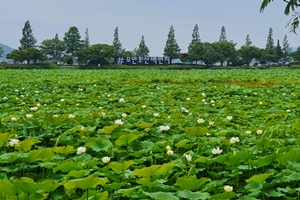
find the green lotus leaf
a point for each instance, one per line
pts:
(100, 145)
(187, 194)
(145, 125)
(191, 183)
(127, 192)
(296, 125)
(273, 193)
(101, 196)
(4, 137)
(260, 178)
(85, 183)
(27, 185)
(108, 129)
(225, 195)
(77, 173)
(291, 156)
(114, 185)
(64, 149)
(266, 160)
(120, 167)
(161, 195)
(67, 132)
(196, 131)
(50, 185)
(125, 139)
(26, 144)
(8, 188)
(9, 157)
(67, 166)
(147, 171)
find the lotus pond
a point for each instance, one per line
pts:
(138, 134)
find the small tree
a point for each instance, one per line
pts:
(116, 43)
(27, 40)
(16, 55)
(143, 49)
(223, 37)
(172, 49)
(248, 41)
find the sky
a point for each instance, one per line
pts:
(149, 18)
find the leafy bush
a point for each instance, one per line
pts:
(1, 66)
(31, 66)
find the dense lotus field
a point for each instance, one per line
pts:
(121, 134)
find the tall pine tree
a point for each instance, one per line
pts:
(116, 43)
(270, 41)
(286, 49)
(195, 38)
(172, 49)
(278, 52)
(28, 40)
(143, 50)
(223, 37)
(86, 42)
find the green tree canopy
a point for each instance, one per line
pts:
(86, 41)
(172, 49)
(96, 54)
(248, 53)
(225, 50)
(16, 55)
(73, 42)
(27, 40)
(143, 49)
(195, 37)
(53, 47)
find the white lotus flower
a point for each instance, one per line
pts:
(259, 132)
(168, 147)
(103, 114)
(34, 108)
(216, 150)
(229, 118)
(29, 115)
(203, 94)
(248, 132)
(260, 103)
(170, 152)
(62, 100)
(14, 142)
(144, 106)
(124, 115)
(80, 89)
(119, 122)
(188, 99)
(188, 157)
(211, 123)
(14, 119)
(156, 114)
(288, 110)
(23, 103)
(228, 188)
(212, 101)
(234, 140)
(164, 128)
(55, 115)
(121, 100)
(105, 159)
(200, 121)
(5, 98)
(81, 150)
(82, 128)
(71, 116)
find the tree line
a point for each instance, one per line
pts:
(72, 49)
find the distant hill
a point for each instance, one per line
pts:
(6, 49)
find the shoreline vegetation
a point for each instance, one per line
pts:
(150, 67)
